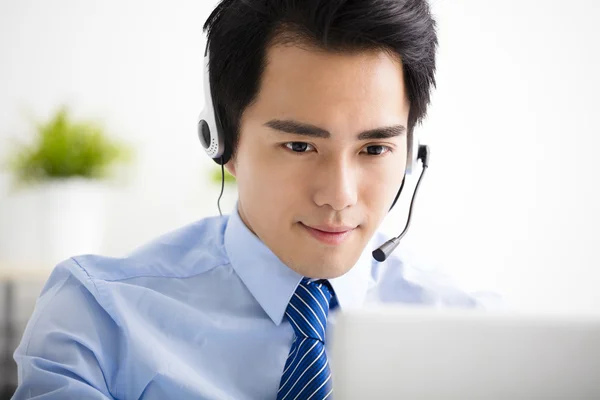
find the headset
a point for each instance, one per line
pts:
(210, 130)
(211, 136)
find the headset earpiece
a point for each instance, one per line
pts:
(209, 126)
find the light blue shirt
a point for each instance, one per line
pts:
(196, 314)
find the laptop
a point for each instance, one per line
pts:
(413, 353)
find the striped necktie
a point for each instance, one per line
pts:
(306, 373)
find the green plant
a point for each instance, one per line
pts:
(64, 148)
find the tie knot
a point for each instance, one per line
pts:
(308, 309)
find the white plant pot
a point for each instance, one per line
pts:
(53, 221)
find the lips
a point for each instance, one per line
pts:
(330, 235)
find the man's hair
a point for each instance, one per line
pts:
(241, 31)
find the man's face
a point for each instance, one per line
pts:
(321, 155)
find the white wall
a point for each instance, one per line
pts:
(510, 200)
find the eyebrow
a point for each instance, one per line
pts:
(299, 128)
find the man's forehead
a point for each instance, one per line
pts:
(289, 53)
(294, 75)
(310, 92)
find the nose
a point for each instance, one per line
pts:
(336, 184)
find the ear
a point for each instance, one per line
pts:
(230, 166)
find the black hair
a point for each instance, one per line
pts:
(241, 31)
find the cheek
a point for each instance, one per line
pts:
(384, 181)
(267, 182)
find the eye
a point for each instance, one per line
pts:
(377, 150)
(299, 147)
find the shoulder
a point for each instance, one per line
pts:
(406, 277)
(92, 279)
(184, 252)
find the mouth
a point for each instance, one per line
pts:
(330, 235)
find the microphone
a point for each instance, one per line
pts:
(382, 252)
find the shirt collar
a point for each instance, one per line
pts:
(272, 283)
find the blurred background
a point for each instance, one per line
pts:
(510, 202)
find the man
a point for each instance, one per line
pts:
(318, 100)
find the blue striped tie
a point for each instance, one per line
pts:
(306, 373)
